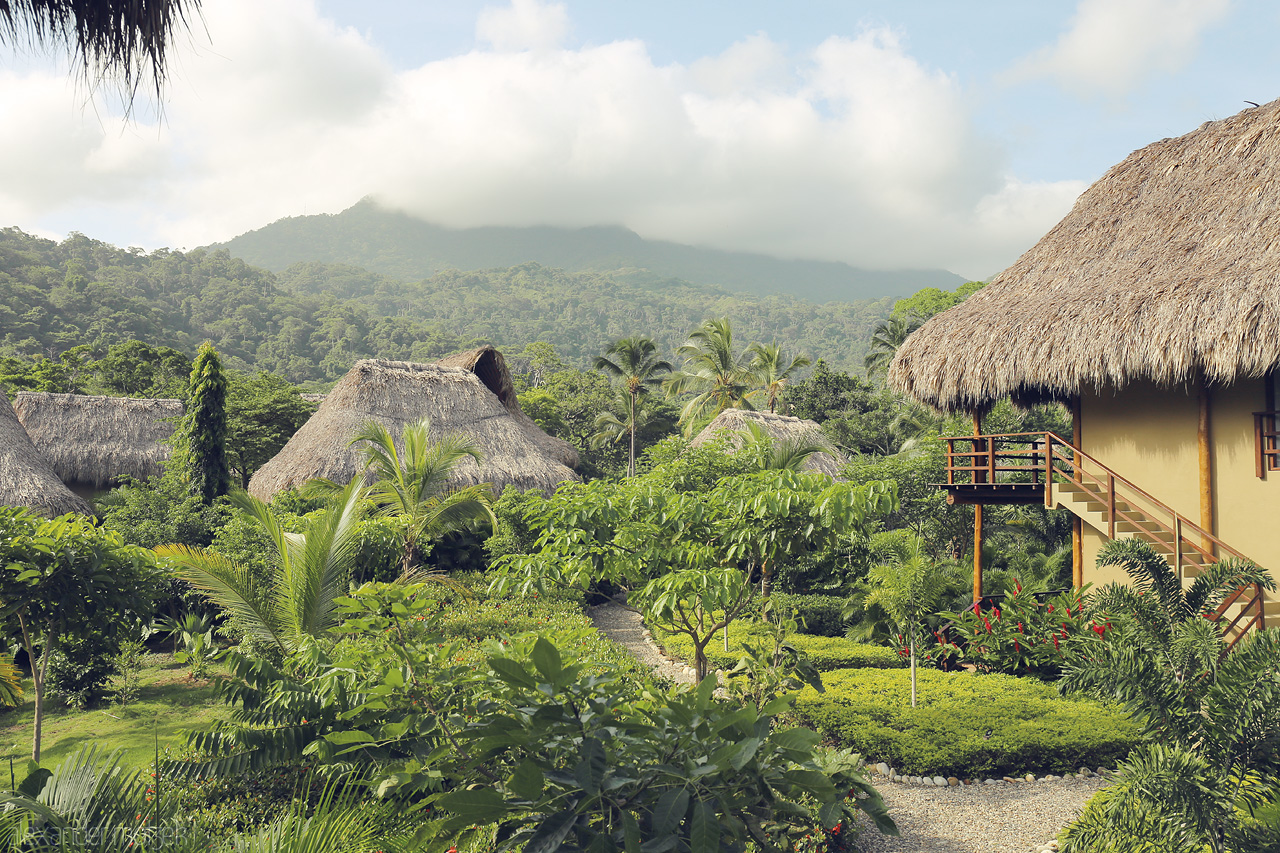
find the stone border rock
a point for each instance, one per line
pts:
(883, 771)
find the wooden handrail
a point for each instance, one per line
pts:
(1101, 485)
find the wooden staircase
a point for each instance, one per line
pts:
(1035, 467)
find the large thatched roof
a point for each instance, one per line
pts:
(732, 424)
(396, 393)
(491, 368)
(94, 440)
(26, 478)
(1166, 269)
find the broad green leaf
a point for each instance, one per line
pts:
(547, 659)
(551, 833)
(511, 672)
(799, 739)
(669, 811)
(527, 781)
(341, 738)
(475, 805)
(589, 772)
(704, 830)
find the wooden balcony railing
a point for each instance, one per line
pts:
(1266, 441)
(1018, 465)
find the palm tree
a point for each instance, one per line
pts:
(1210, 715)
(310, 570)
(413, 485)
(636, 363)
(636, 416)
(717, 377)
(780, 454)
(767, 365)
(122, 37)
(885, 339)
(909, 588)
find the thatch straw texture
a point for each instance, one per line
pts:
(92, 441)
(1166, 269)
(732, 423)
(396, 393)
(491, 368)
(26, 478)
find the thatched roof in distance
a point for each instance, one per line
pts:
(396, 393)
(1167, 268)
(94, 440)
(26, 478)
(732, 423)
(491, 368)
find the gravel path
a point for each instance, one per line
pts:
(1018, 817)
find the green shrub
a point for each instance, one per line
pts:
(819, 615)
(967, 725)
(826, 653)
(80, 669)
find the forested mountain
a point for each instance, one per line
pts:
(409, 249)
(310, 323)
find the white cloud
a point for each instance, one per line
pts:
(524, 25)
(854, 151)
(1113, 46)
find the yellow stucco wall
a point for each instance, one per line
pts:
(1149, 436)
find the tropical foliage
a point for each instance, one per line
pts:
(1211, 716)
(310, 570)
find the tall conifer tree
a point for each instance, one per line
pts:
(204, 428)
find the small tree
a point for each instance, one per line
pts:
(909, 587)
(203, 434)
(68, 578)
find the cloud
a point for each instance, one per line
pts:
(524, 25)
(852, 151)
(1113, 46)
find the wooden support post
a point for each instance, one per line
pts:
(1204, 444)
(977, 524)
(1077, 524)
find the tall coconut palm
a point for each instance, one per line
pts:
(123, 37)
(636, 364)
(772, 371)
(412, 484)
(310, 570)
(626, 420)
(718, 378)
(887, 336)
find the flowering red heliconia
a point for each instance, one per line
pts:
(1100, 629)
(1055, 641)
(1050, 608)
(1016, 647)
(996, 610)
(986, 622)
(1019, 627)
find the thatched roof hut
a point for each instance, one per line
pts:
(92, 441)
(491, 368)
(26, 478)
(732, 423)
(397, 393)
(1166, 269)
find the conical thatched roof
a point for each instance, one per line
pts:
(26, 478)
(732, 423)
(491, 368)
(396, 393)
(94, 440)
(1167, 268)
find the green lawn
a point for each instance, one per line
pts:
(167, 704)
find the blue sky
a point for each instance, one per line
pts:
(885, 134)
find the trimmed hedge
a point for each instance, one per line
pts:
(820, 615)
(966, 725)
(827, 653)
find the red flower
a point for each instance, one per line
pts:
(1050, 608)
(1016, 647)
(997, 612)
(987, 623)
(1019, 627)
(1099, 629)
(1055, 641)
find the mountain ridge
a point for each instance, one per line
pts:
(397, 244)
